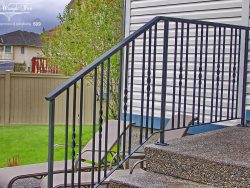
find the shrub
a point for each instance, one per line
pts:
(14, 161)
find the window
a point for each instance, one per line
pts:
(7, 49)
(22, 50)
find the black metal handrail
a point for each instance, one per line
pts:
(98, 61)
(169, 68)
(57, 91)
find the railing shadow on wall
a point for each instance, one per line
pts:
(169, 67)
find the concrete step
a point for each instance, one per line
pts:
(220, 158)
(152, 180)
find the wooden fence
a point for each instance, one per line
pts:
(40, 65)
(22, 99)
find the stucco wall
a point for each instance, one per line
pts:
(29, 53)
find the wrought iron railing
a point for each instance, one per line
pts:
(168, 67)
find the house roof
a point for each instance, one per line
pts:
(23, 38)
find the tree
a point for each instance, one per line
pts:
(86, 31)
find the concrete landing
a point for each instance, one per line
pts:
(152, 180)
(219, 158)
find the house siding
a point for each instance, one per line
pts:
(141, 11)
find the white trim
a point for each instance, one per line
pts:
(244, 22)
(127, 33)
(126, 30)
(127, 17)
(245, 13)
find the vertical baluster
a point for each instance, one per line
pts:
(107, 118)
(174, 79)
(223, 69)
(244, 79)
(66, 138)
(143, 82)
(73, 136)
(131, 95)
(186, 75)
(120, 106)
(238, 74)
(205, 77)
(195, 67)
(212, 91)
(51, 142)
(148, 81)
(80, 133)
(230, 66)
(164, 81)
(94, 129)
(100, 124)
(218, 76)
(200, 75)
(125, 108)
(153, 87)
(180, 75)
(234, 71)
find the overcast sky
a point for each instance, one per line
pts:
(30, 15)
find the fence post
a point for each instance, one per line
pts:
(7, 97)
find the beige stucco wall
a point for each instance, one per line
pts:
(29, 53)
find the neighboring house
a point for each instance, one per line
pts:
(20, 47)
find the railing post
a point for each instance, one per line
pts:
(243, 110)
(51, 142)
(164, 84)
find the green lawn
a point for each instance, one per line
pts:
(30, 142)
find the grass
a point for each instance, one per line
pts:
(29, 143)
